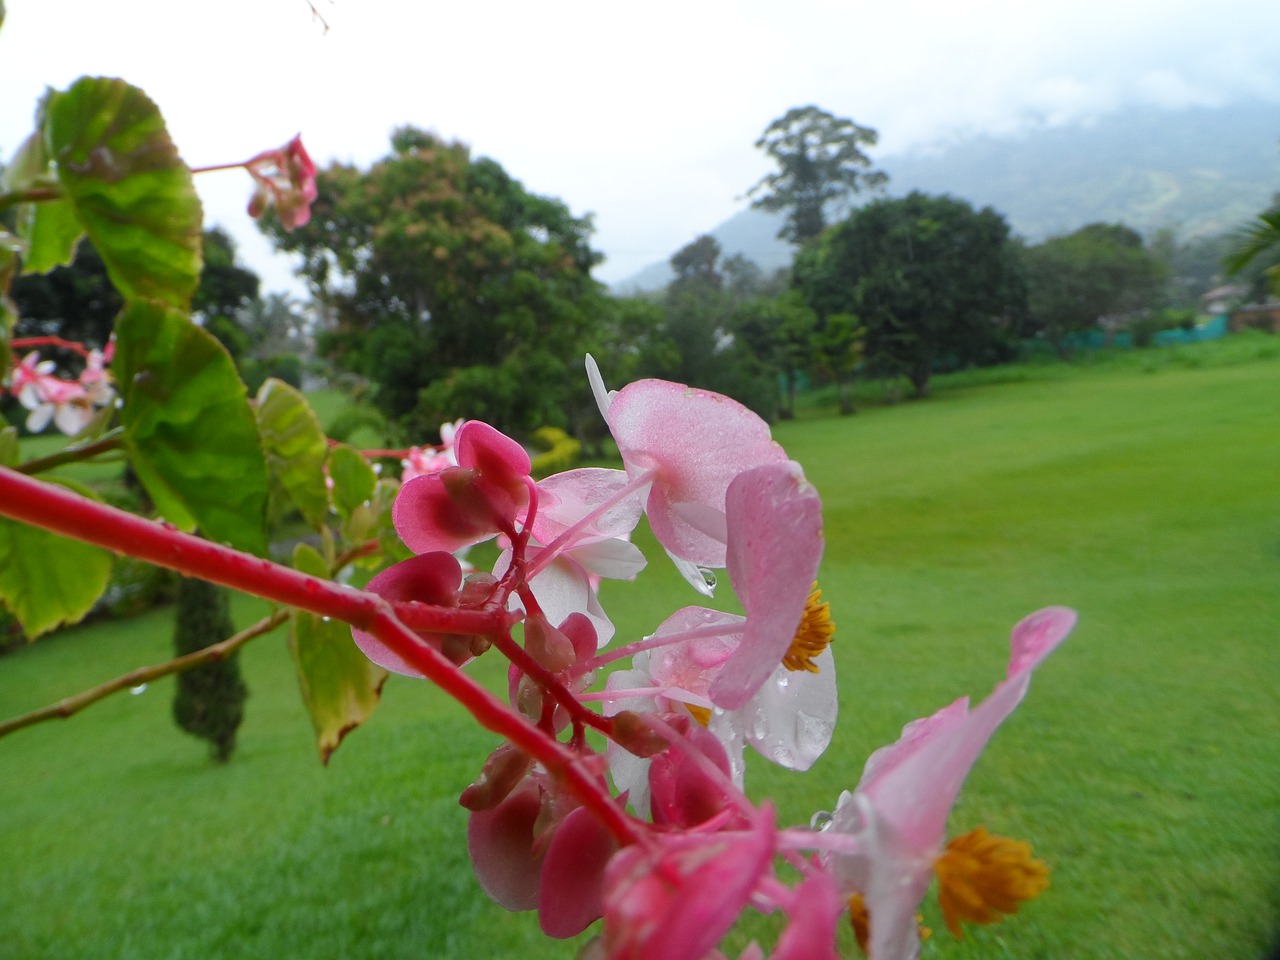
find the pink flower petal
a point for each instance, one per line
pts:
(433, 578)
(571, 894)
(775, 546)
(501, 844)
(695, 442)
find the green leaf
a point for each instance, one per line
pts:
(129, 187)
(52, 234)
(296, 448)
(353, 479)
(340, 685)
(47, 580)
(188, 427)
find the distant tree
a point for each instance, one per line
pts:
(778, 334)
(209, 699)
(449, 283)
(821, 164)
(76, 302)
(838, 348)
(933, 281)
(1099, 271)
(695, 313)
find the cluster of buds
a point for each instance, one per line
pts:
(69, 404)
(654, 833)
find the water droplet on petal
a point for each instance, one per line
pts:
(708, 577)
(820, 820)
(325, 619)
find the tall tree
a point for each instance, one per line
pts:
(933, 281)
(450, 284)
(821, 164)
(76, 302)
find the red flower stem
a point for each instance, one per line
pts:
(64, 512)
(30, 343)
(220, 166)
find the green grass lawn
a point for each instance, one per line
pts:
(1144, 765)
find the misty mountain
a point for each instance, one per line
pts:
(1202, 171)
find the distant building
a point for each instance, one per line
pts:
(1221, 299)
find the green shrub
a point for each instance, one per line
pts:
(561, 453)
(209, 699)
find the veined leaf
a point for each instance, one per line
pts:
(353, 479)
(295, 446)
(128, 186)
(47, 580)
(188, 427)
(340, 685)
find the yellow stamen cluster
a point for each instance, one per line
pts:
(813, 635)
(982, 876)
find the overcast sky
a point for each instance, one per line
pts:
(643, 114)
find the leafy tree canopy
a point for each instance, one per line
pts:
(821, 164)
(1101, 270)
(932, 280)
(448, 282)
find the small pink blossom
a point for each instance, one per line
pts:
(424, 460)
(286, 178)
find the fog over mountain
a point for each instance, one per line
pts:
(1200, 170)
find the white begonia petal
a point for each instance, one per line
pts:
(791, 718)
(615, 559)
(39, 417)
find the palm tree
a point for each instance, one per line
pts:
(1259, 238)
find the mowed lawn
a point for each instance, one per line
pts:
(1144, 765)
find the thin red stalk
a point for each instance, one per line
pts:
(30, 343)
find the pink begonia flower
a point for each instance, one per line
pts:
(687, 445)
(48, 397)
(674, 897)
(898, 811)
(286, 178)
(789, 720)
(580, 534)
(486, 494)
(423, 460)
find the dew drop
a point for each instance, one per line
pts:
(325, 619)
(140, 688)
(821, 820)
(708, 577)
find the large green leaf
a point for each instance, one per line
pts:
(296, 448)
(188, 427)
(340, 685)
(129, 187)
(47, 580)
